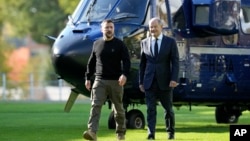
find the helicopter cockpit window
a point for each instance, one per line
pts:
(224, 15)
(129, 10)
(202, 15)
(97, 10)
(245, 19)
(78, 10)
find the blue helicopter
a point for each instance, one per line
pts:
(212, 38)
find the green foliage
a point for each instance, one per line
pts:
(36, 17)
(5, 50)
(68, 5)
(33, 18)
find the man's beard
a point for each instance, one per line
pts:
(109, 35)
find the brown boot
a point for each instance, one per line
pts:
(120, 136)
(89, 135)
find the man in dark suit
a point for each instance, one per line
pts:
(159, 68)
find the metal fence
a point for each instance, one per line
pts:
(33, 89)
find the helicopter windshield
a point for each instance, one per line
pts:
(129, 10)
(76, 13)
(97, 10)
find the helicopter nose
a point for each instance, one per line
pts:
(69, 58)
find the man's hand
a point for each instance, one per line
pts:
(88, 84)
(122, 80)
(142, 88)
(173, 84)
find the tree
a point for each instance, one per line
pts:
(35, 17)
(5, 50)
(68, 6)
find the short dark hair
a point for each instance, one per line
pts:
(107, 21)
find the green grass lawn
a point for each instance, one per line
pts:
(46, 121)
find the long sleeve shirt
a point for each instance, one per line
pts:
(108, 60)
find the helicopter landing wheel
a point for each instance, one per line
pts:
(135, 119)
(226, 114)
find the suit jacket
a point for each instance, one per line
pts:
(165, 66)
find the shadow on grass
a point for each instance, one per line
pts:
(199, 129)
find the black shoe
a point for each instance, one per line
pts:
(170, 136)
(151, 137)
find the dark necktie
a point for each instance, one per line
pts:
(156, 48)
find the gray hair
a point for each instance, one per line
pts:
(156, 19)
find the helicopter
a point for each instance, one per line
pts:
(212, 38)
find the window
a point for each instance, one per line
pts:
(245, 19)
(202, 15)
(97, 10)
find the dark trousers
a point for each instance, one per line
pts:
(165, 97)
